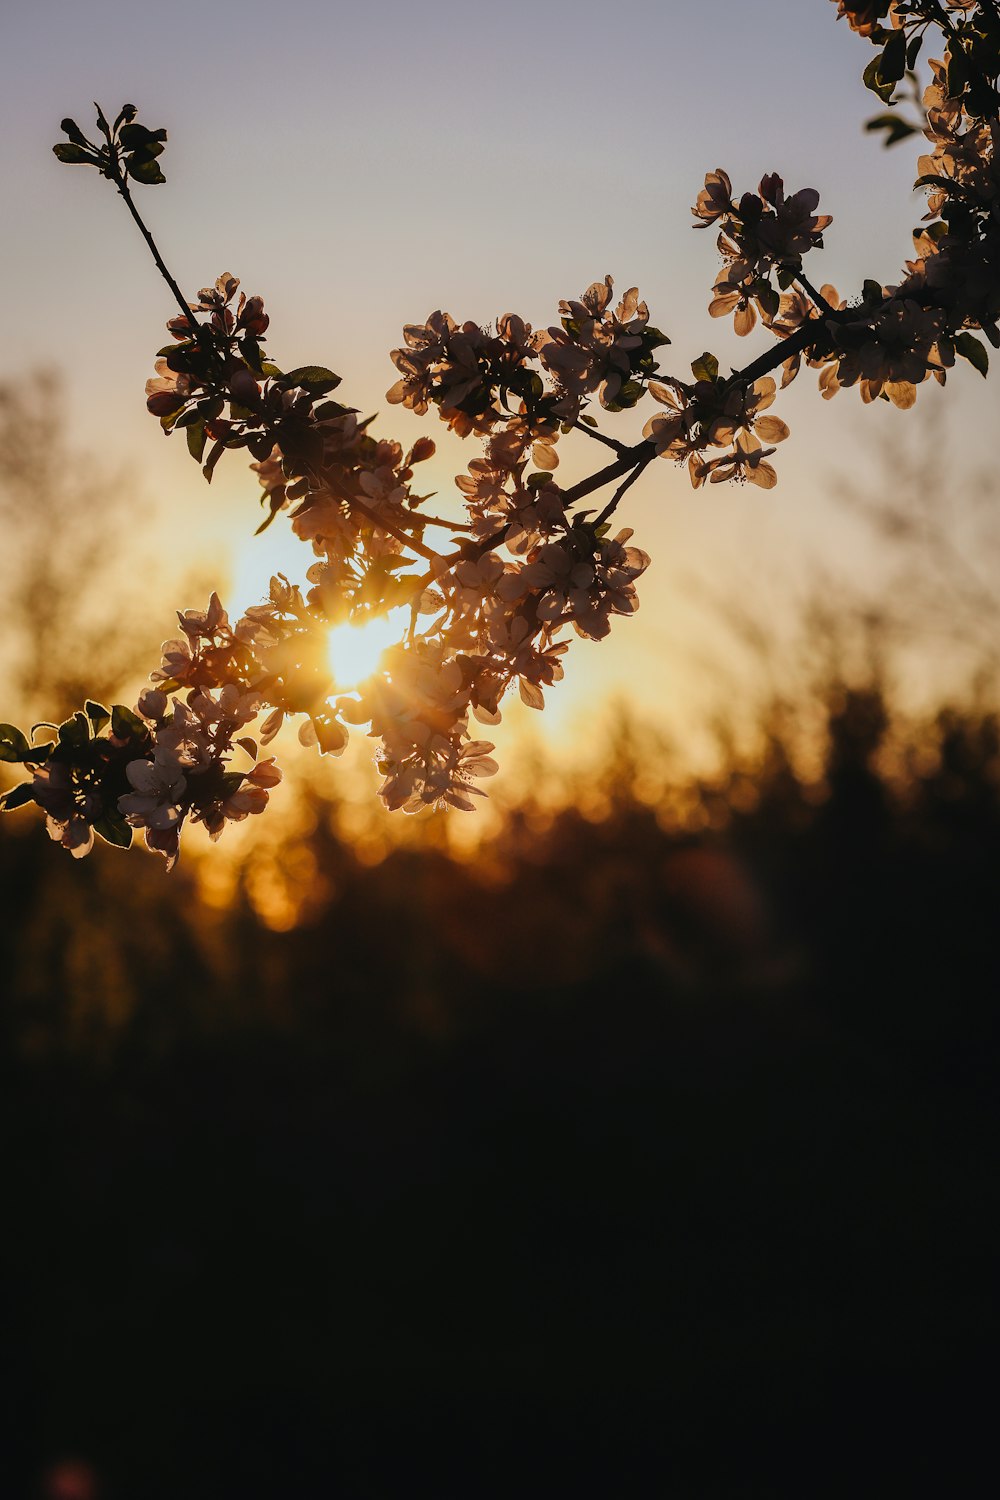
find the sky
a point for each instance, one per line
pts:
(361, 166)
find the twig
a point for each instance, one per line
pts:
(626, 484)
(599, 437)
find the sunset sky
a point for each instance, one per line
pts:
(362, 166)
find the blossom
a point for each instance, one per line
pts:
(715, 200)
(70, 808)
(159, 787)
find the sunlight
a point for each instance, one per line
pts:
(355, 651)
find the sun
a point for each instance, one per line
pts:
(354, 652)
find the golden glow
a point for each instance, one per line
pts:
(354, 652)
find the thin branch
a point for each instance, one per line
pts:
(816, 296)
(600, 437)
(121, 184)
(626, 484)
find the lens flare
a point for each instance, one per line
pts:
(354, 652)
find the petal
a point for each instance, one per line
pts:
(771, 429)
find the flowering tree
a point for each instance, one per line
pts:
(529, 560)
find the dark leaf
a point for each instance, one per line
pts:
(893, 63)
(113, 828)
(314, 378)
(75, 732)
(895, 127)
(126, 725)
(972, 350)
(706, 367)
(17, 796)
(97, 714)
(13, 745)
(73, 156)
(196, 440)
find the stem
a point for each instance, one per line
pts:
(811, 291)
(121, 183)
(383, 525)
(600, 437)
(626, 484)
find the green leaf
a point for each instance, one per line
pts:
(972, 350)
(316, 379)
(895, 127)
(17, 796)
(958, 73)
(126, 725)
(97, 714)
(874, 80)
(705, 367)
(144, 170)
(73, 156)
(769, 300)
(113, 827)
(137, 137)
(13, 745)
(893, 63)
(218, 449)
(196, 440)
(75, 732)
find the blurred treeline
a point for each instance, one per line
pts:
(645, 1149)
(647, 1152)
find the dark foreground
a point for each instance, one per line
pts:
(666, 1168)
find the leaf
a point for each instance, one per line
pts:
(958, 73)
(17, 796)
(97, 714)
(873, 80)
(196, 440)
(75, 732)
(113, 827)
(73, 156)
(705, 367)
(144, 170)
(135, 137)
(249, 744)
(972, 350)
(895, 127)
(892, 64)
(213, 458)
(125, 725)
(316, 379)
(13, 745)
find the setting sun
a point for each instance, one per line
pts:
(354, 651)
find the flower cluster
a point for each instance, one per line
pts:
(491, 611)
(765, 233)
